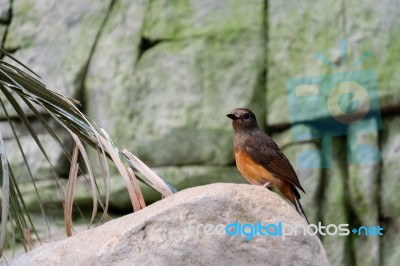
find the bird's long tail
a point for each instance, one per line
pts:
(297, 204)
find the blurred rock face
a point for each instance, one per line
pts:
(160, 76)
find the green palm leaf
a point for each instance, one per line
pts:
(19, 83)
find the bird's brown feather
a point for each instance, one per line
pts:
(264, 151)
(253, 172)
(260, 160)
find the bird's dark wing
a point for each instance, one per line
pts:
(264, 151)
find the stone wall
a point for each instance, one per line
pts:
(160, 76)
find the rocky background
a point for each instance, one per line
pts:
(160, 76)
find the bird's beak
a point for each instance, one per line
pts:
(232, 116)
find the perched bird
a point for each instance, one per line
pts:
(260, 160)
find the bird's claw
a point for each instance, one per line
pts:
(266, 184)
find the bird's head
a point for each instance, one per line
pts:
(243, 119)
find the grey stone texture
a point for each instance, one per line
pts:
(159, 76)
(171, 232)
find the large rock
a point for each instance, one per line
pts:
(164, 83)
(389, 196)
(391, 168)
(55, 38)
(5, 16)
(162, 234)
(333, 205)
(5, 11)
(193, 18)
(363, 185)
(179, 177)
(39, 165)
(297, 32)
(178, 102)
(110, 74)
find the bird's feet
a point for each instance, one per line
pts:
(266, 184)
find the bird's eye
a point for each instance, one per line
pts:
(246, 116)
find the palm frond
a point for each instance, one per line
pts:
(18, 82)
(5, 180)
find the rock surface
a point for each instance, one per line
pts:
(161, 234)
(189, 103)
(390, 198)
(169, 20)
(297, 32)
(160, 76)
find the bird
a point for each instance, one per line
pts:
(259, 159)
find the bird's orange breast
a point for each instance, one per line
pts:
(253, 172)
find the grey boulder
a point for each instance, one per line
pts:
(183, 230)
